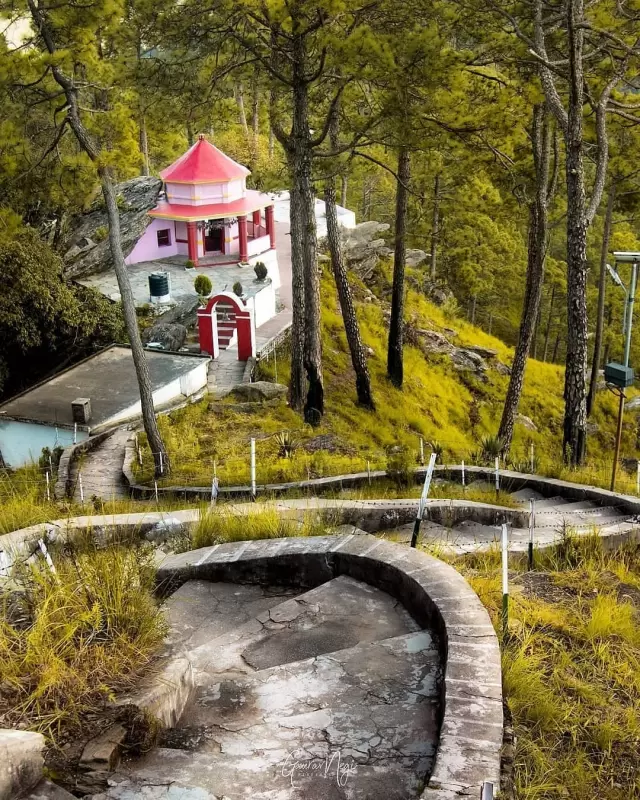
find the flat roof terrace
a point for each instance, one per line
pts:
(107, 378)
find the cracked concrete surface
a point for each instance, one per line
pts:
(334, 693)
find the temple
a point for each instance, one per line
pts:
(207, 216)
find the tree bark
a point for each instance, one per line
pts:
(43, 25)
(343, 191)
(537, 246)
(602, 286)
(555, 348)
(575, 415)
(549, 318)
(242, 117)
(190, 136)
(144, 145)
(272, 142)
(297, 382)
(160, 457)
(435, 225)
(396, 323)
(255, 106)
(358, 356)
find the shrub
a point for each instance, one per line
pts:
(491, 447)
(401, 466)
(261, 270)
(237, 288)
(69, 640)
(287, 444)
(188, 264)
(203, 286)
(101, 233)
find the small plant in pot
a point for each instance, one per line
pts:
(203, 286)
(189, 264)
(237, 288)
(261, 270)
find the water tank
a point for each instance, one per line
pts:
(159, 287)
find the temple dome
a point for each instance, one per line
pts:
(204, 163)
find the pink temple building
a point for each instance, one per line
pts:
(208, 216)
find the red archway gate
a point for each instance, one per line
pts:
(215, 336)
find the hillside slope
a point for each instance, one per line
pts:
(456, 377)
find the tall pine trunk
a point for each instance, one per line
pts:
(160, 458)
(602, 285)
(396, 324)
(343, 191)
(297, 382)
(46, 29)
(144, 145)
(242, 117)
(548, 329)
(435, 226)
(358, 356)
(575, 400)
(537, 246)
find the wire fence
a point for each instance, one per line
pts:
(283, 458)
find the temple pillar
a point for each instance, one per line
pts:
(243, 239)
(271, 227)
(192, 242)
(256, 219)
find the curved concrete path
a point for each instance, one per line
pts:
(325, 668)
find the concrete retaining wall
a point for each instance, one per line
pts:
(435, 594)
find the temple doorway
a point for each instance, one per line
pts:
(214, 239)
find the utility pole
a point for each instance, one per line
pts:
(619, 376)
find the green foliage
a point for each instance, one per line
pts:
(287, 443)
(401, 466)
(570, 668)
(237, 288)
(216, 527)
(69, 641)
(188, 264)
(203, 286)
(261, 270)
(44, 319)
(101, 233)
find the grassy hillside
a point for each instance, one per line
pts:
(438, 402)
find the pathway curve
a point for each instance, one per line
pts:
(101, 470)
(329, 694)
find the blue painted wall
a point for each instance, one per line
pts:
(22, 442)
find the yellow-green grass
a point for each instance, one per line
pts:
(437, 403)
(571, 669)
(70, 640)
(218, 526)
(23, 502)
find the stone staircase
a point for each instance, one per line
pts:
(552, 515)
(331, 693)
(226, 320)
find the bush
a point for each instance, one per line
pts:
(237, 288)
(261, 270)
(188, 264)
(401, 466)
(203, 286)
(101, 233)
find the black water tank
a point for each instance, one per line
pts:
(159, 284)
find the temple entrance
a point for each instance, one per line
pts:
(213, 239)
(225, 321)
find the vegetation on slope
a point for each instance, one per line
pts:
(571, 668)
(72, 638)
(451, 410)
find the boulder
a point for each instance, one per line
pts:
(483, 352)
(260, 390)
(169, 335)
(434, 342)
(526, 422)
(464, 358)
(86, 247)
(502, 369)
(21, 761)
(415, 257)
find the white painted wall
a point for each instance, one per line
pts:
(21, 442)
(346, 218)
(263, 305)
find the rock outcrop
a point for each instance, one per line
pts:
(167, 335)
(86, 247)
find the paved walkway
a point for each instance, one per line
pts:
(330, 694)
(101, 470)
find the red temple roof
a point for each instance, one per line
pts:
(204, 163)
(252, 201)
